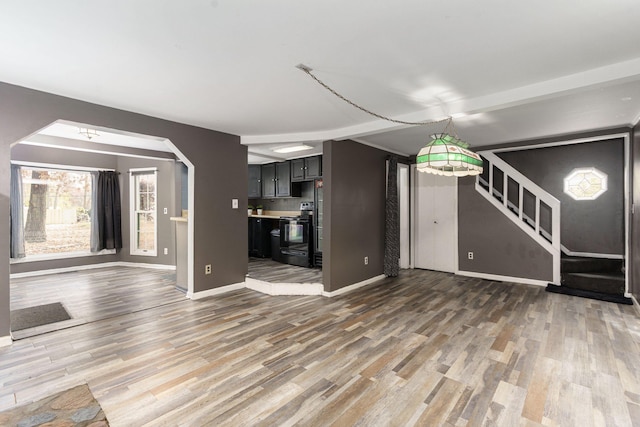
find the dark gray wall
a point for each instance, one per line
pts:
(220, 175)
(166, 198)
(593, 226)
(499, 246)
(635, 218)
(354, 213)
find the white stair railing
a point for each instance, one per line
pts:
(524, 206)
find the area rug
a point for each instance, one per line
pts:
(39, 315)
(74, 407)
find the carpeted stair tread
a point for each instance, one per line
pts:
(601, 296)
(604, 282)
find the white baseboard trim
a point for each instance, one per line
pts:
(504, 278)
(353, 287)
(6, 341)
(215, 291)
(270, 288)
(90, 267)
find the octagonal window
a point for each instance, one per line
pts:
(585, 183)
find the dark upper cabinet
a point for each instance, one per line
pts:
(276, 181)
(255, 184)
(306, 168)
(269, 180)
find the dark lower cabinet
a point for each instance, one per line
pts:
(260, 237)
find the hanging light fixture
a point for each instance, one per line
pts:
(448, 156)
(444, 155)
(88, 133)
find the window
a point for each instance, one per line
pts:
(585, 183)
(57, 207)
(143, 211)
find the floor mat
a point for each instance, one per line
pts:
(39, 315)
(74, 407)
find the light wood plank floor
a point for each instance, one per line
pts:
(268, 270)
(426, 348)
(90, 295)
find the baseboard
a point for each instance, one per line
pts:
(6, 341)
(499, 278)
(270, 288)
(353, 287)
(215, 291)
(636, 305)
(90, 267)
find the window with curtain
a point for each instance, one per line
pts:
(143, 192)
(56, 211)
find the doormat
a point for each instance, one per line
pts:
(74, 407)
(39, 315)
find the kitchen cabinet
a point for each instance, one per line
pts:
(306, 168)
(276, 181)
(255, 181)
(260, 237)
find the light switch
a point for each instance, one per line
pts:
(166, 211)
(234, 203)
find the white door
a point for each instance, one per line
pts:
(435, 222)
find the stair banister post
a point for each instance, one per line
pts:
(520, 200)
(505, 189)
(537, 218)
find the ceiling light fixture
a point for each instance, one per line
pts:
(444, 155)
(292, 148)
(88, 133)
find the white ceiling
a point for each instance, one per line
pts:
(507, 70)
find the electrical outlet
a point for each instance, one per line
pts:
(366, 260)
(234, 203)
(166, 251)
(207, 269)
(470, 255)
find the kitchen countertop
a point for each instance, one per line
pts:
(275, 214)
(178, 218)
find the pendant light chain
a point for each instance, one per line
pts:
(353, 104)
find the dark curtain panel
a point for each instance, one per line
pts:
(392, 224)
(16, 214)
(95, 231)
(108, 211)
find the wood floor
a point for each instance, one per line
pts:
(426, 348)
(268, 270)
(91, 295)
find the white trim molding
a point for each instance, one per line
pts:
(6, 341)
(496, 277)
(215, 291)
(270, 288)
(90, 267)
(353, 287)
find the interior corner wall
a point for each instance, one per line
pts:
(635, 217)
(219, 160)
(354, 211)
(499, 246)
(587, 226)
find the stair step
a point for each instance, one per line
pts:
(585, 265)
(618, 299)
(608, 283)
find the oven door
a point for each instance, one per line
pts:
(294, 234)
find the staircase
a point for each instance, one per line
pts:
(596, 278)
(527, 205)
(537, 213)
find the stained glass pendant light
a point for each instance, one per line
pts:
(448, 156)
